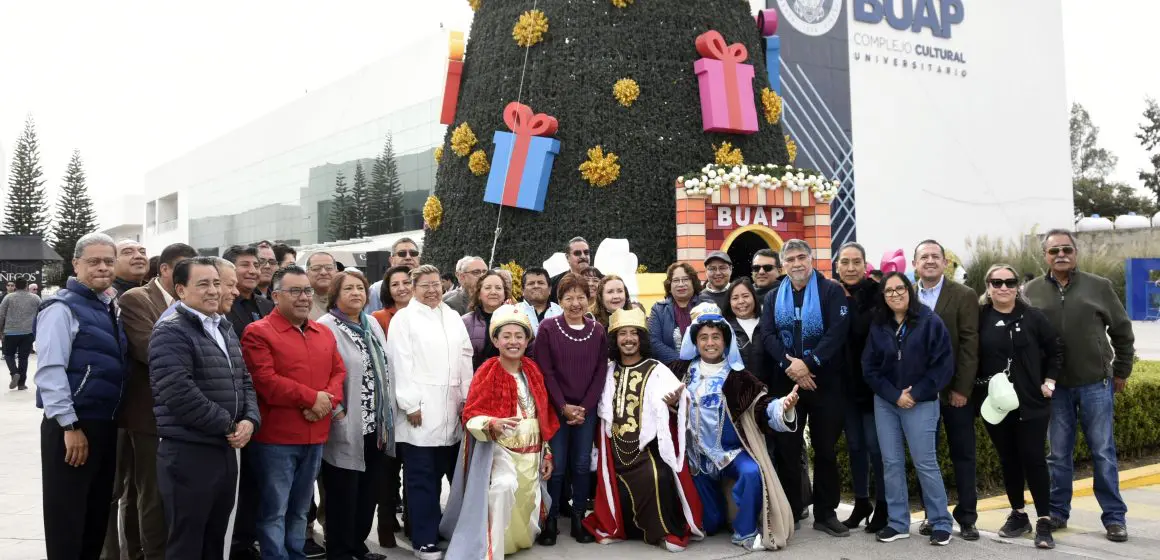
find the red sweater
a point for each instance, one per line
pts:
(289, 367)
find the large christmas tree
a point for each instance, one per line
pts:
(570, 74)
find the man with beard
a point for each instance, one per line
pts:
(404, 252)
(579, 258)
(132, 264)
(469, 269)
(644, 487)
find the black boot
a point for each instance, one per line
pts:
(548, 535)
(879, 520)
(579, 533)
(862, 510)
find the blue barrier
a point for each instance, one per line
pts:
(1143, 292)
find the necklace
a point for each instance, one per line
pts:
(565, 328)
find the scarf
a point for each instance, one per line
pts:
(786, 315)
(494, 393)
(384, 389)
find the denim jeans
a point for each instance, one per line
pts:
(862, 441)
(916, 428)
(286, 475)
(1094, 404)
(572, 449)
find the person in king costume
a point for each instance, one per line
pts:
(643, 487)
(499, 496)
(730, 415)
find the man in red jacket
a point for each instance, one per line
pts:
(298, 375)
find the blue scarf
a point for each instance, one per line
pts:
(786, 315)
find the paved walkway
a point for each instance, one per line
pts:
(22, 530)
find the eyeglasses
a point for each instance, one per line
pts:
(298, 292)
(581, 253)
(476, 273)
(323, 268)
(1065, 249)
(429, 286)
(98, 261)
(763, 268)
(895, 292)
(679, 281)
(267, 262)
(1000, 282)
(406, 253)
(717, 269)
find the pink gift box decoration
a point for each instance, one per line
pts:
(727, 101)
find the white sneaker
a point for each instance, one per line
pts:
(671, 547)
(428, 552)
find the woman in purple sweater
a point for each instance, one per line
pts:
(572, 351)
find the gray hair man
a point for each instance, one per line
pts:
(404, 252)
(468, 270)
(81, 343)
(804, 327)
(1094, 327)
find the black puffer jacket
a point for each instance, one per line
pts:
(862, 298)
(197, 392)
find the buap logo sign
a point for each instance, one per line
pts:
(937, 15)
(811, 17)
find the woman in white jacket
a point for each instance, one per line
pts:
(429, 353)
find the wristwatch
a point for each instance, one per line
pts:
(70, 427)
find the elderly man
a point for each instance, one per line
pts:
(958, 307)
(78, 436)
(17, 317)
(468, 270)
(229, 291)
(766, 270)
(718, 271)
(132, 265)
(404, 252)
(1094, 369)
(579, 258)
(267, 264)
(140, 511)
(537, 305)
(320, 269)
(205, 407)
(804, 324)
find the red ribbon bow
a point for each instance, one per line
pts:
(525, 124)
(711, 44)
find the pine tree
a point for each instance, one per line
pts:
(358, 203)
(385, 209)
(1149, 137)
(27, 205)
(340, 211)
(75, 216)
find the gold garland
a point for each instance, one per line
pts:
(438, 155)
(600, 170)
(517, 272)
(626, 91)
(475, 4)
(728, 155)
(463, 140)
(790, 148)
(622, 3)
(530, 28)
(641, 269)
(432, 212)
(773, 105)
(478, 163)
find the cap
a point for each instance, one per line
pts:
(1001, 399)
(509, 315)
(719, 255)
(627, 318)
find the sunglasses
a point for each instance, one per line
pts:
(579, 253)
(1065, 249)
(1000, 282)
(763, 268)
(407, 254)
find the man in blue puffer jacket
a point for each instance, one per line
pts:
(79, 380)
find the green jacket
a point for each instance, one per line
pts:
(1087, 312)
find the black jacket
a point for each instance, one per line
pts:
(829, 355)
(752, 354)
(198, 392)
(863, 296)
(1036, 353)
(246, 311)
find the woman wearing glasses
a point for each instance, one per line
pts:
(670, 317)
(907, 361)
(1018, 342)
(430, 356)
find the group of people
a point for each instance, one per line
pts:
(226, 390)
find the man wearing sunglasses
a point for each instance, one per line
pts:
(404, 252)
(766, 269)
(468, 270)
(1093, 370)
(579, 258)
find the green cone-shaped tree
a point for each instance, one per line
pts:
(570, 75)
(75, 216)
(26, 210)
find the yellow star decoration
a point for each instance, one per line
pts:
(438, 155)
(626, 91)
(462, 140)
(772, 102)
(432, 212)
(728, 155)
(790, 148)
(600, 170)
(478, 163)
(641, 269)
(475, 4)
(517, 278)
(530, 28)
(622, 3)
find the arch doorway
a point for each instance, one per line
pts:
(744, 242)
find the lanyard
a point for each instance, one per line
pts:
(898, 334)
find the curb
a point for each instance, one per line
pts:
(1131, 478)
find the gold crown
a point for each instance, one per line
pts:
(627, 318)
(509, 315)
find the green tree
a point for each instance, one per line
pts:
(1096, 196)
(385, 208)
(75, 216)
(358, 203)
(1149, 137)
(27, 205)
(1092, 192)
(1088, 160)
(342, 210)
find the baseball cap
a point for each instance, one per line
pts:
(719, 255)
(1001, 399)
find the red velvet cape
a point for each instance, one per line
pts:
(494, 393)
